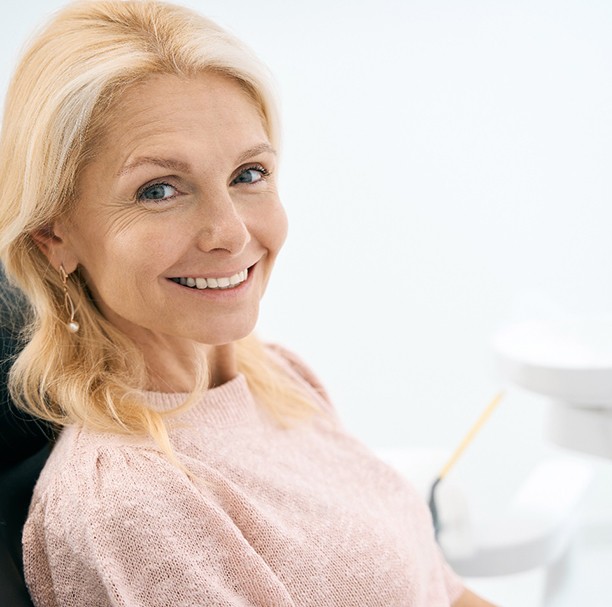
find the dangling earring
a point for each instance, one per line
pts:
(73, 325)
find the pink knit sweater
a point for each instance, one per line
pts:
(276, 517)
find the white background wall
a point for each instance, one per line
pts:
(446, 170)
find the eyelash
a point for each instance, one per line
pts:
(143, 189)
(255, 167)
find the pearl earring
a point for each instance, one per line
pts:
(73, 325)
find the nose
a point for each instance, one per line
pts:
(221, 226)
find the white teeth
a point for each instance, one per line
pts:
(214, 283)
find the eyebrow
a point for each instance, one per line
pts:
(255, 151)
(167, 163)
(179, 165)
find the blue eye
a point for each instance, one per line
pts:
(251, 175)
(157, 191)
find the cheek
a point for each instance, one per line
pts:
(272, 234)
(273, 229)
(148, 246)
(119, 263)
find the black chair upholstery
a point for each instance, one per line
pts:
(16, 485)
(24, 447)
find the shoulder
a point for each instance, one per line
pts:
(295, 366)
(97, 491)
(113, 513)
(88, 472)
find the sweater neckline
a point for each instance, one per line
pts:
(227, 404)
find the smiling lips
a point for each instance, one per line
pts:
(213, 283)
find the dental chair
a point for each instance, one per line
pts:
(24, 447)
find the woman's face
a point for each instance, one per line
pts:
(178, 221)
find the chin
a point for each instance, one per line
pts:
(221, 336)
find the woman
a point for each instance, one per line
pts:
(140, 216)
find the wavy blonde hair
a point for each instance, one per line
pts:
(59, 102)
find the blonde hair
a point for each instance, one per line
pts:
(58, 103)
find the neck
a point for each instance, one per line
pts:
(175, 372)
(222, 365)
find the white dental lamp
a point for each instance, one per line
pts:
(569, 362)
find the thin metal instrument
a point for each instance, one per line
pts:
(469, 437)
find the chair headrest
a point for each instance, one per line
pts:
(20, 434)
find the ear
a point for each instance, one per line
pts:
(52, 240)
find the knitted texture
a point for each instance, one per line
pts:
(271, 517)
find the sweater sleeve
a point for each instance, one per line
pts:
(139, 533)
(453, 583)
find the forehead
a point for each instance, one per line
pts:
(165, 106)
